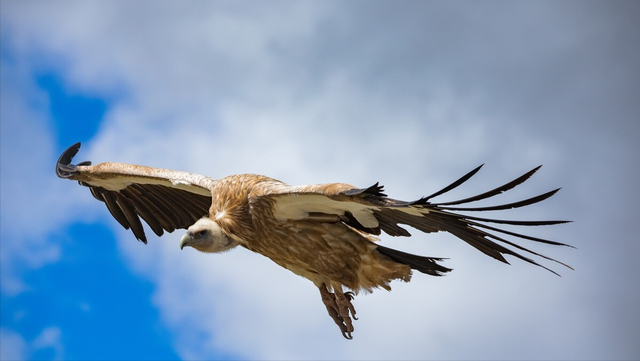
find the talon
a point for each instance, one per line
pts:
(350, 296)
(340, 309)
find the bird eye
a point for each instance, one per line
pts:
(201, 233)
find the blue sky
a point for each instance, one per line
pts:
(412, 95)
(66, 108)
(82, 290)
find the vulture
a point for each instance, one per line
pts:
(325, 233)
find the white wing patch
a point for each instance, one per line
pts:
(177, 182)
(298, 206)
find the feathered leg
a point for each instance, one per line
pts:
(340, 309)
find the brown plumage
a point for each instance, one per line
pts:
(325, 233)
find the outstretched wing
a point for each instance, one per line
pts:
(167, 200)
(370, 210)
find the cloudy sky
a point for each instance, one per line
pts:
(411, 94)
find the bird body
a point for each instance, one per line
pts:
(299, 228)
(325, 232)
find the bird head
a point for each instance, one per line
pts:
(206, 236)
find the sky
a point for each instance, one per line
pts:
(410, 94)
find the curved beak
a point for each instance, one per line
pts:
(186, 240)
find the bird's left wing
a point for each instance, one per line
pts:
(165, 199)
(369, 210)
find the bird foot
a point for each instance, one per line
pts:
(340, 309)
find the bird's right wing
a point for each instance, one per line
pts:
(428, 216)
(165, 199)
(369, 210)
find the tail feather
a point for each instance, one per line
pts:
(423, 264)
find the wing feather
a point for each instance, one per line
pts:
(113, 207)
(129, 210)
(503, 188)
(165, 199)
(522, 203)
(166, 212)
(146, 210)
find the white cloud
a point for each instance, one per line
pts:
(13, 345)
(224, 89)
(50, 338)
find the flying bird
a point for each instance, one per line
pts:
(325, 233)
